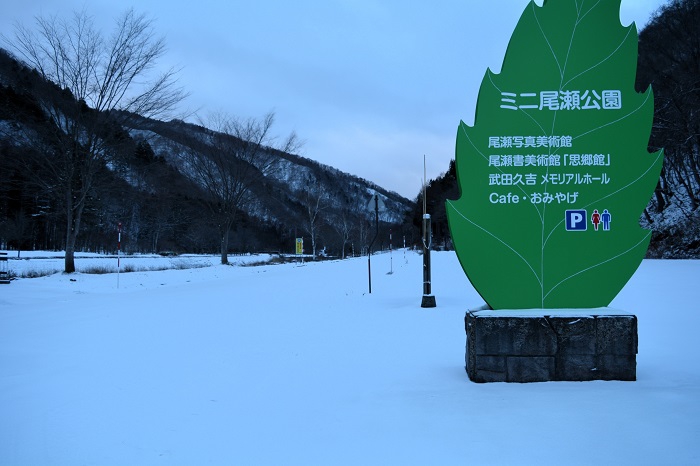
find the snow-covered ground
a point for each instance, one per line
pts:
(298, 365)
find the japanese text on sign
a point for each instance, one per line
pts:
(530, 179)
(529, 141)
(522, 169)
(549, 160)
(563, 100)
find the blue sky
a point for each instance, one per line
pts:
(370, 86)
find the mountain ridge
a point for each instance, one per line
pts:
(144, 186)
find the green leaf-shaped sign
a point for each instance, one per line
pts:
(555, 173)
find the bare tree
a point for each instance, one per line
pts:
(364, 228)
(103, 81)
(314, 199)
(342, 224)
(238, 154)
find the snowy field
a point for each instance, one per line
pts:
(298, 365)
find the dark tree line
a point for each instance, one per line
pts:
(669, 61)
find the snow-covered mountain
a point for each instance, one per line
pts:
(145, 181)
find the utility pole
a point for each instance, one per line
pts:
(373, 202)
(391, 257)
(427, 239)
(119, 248)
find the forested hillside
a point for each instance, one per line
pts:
(669, 61)
(174, 187)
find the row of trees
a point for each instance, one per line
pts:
(68, 161)
(164, 207)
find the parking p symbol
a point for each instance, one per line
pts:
(576, 220)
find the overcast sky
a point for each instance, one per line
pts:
(370, 85)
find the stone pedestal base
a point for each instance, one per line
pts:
(540, 345)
